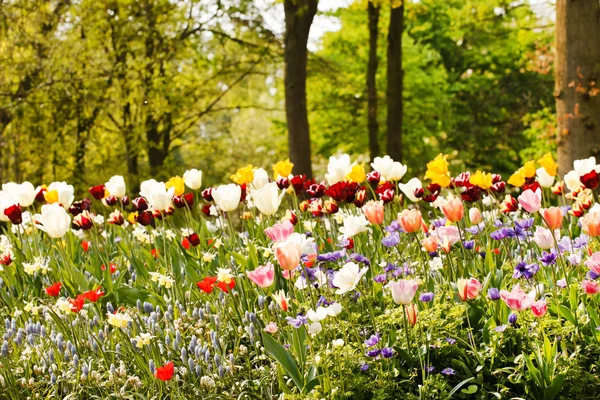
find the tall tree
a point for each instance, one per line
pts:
(577, 72)
(299, 15)
(373, 11)
(395, 77)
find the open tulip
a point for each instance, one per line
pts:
(388, 169)
(590, 287)
(281, 300)
(453, 209)
(517, 299)
(280, 232)
(410, 220)
(411, 188)
(553, 217)
(262, 276)
(158, 196)
(430, 244)
(539, 308)
(53, 220)
(468, 289)
(593, 262)
(531, 201)
(261, 178)
(374, 211)
(24, 193)
(288, 255)
(348, 277)
(60, 192)
(268, 198)
(403, 291)
(227, 197)
(353, 225)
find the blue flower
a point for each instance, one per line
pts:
(493, 294)
(524, 224)
(499, 234)
(469, 244)
(394, 226)
(580, 241)
(333, 256)
(364, 367)
(475, 229)
(450, 340)
(426, 297)
(373, 353)
(448, 371)
(380, 278)
(391, 240)
(361, 259)
(439, 222)
(387, 352)
(512, 318)
(429, 368)
(323, 301)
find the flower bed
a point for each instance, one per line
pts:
(357, 287)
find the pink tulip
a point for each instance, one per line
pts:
(468, 289)
(288, 255)
(262, 276)
(517, 299)
(553, 217)
(454, 210)
(590, 224)
(475, 216)
(590, 287)
(539, 308)
(410, 220)
(280, 232)
(430, 244)
(531, 201)
(403, 290)
(543, 237)
(271, 327)
(593, 262)
(374, 211)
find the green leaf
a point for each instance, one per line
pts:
(461, 384)
(470, 390)
(283, 357)
(552, 391)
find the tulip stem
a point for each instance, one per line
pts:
(408, 344)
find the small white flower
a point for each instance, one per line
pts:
(348, 277)
(338, 342)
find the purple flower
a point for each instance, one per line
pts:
(450, 340)
(448, 371)
(429, 368)
(373, 340)
(592, 275)
(493, 294)
(391, 240)
(565, 244)
(561, 283)
(361, 259)
(469, 244)
(521, 233)
(394, 226)
(364, 367)
(439, 222)
(525, 270)
(512, 318)
(323, 301)
(380, 278)
(426, 297)
(475, 229)
(580, 241)
(373, 353)
(524, 224)
(574, 259)
(390, 267)
(333, 256)
(387, 352)
(499, 234)
(298, 321)
(547, 258)
(500, 328)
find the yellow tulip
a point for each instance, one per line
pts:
(548, 163)
(178, 183)
(243, 175)
(482, 180)
(357, 174)
(283, 168)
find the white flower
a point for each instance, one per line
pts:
(65, 193)
(208, 256)
(193, 178)
(487, 200)
(268, 198)
(31, 268)
(54, 220)
(338, 169)
(143, 339)
(63, 305)
(348, 277)
(116, 186)
(544, 178)
(261, 178)
(314, 328)
(157, 194)
(224, 275)
(410, 187)
(337, 343)
(389, 169)
(334, 309)
(24, 193)
(166, 281)
(354, 225)
(207, 381)
(572, 181)
(585, 166)
(118, 320)
(227, 197)
(317, 315)
(309, 225)
(6, 200)
(435, 264)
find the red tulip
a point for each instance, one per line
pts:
(53, 290)
(207, 284)
(94, 295)
(14, 214)
(165, 372)
(97, 192)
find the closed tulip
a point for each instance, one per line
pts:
(374, 211)
(268, 198)
(288, 255)
(531, 201)
(23, 193)
(227, 197)
(403, 291)
(553, 217)
(410, 220)
(411, 314)
(454, 209)
(468, 289)
(590, 224)
(54, 220)
(193, 178)
(116, 186)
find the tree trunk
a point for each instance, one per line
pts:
(394, 83)
(299, 15)
(577, 88)
(371, 81)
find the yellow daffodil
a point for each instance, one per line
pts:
(119, 320)
(244, 175)
(529, 169)
(357, 174)
(283, 168)
(482, 180)
(178, 183)
(437, 171)
(517, 179)
(548, 163)
(224, 275)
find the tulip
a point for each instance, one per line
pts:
(430, 244)
(590, 224)
(543, 237)
(545, 179)
(468, 289)
(509, 204)
(7, 200)
(388, 169)
(585, 166)
(157, 194)
(281, 300)
(84, 220)
(374, 211)
(590, 287)
(116, 186)
(403, 290)
(14, 214)
(338, 169)
(453, 209)
(348, 277)
(24, 193)
(280, 232)
(288, 255)
(60, 192)
(261, 178)
(271, 328)
(353, 225)
(140, 204)
(531, 201)
(572, 181)
(54, 220)
(553, 217)
(227, 197)
(53, 290)
(593, 262)
(193, 178)
(97, 192)
(411, 188)
(517, 299)
(539, 308)
(267, 199)
(411, 314)
(410, 220)
(262, 276)
(475, 216)
(165, 372)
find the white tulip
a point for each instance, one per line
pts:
(317, 315)
(53, 220)
(572, 181)
(147, 187)
(65, 192)
(24, 192)
(389, 169)
(227, 197)
(585, 166)
(353, 225)
(261, 178)
(348, 277)
(410, 187)
(116, 186)
(193, 178)
(6, 200)
(160, 197)
(544, 178)
(338, 169)
(268, 198)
